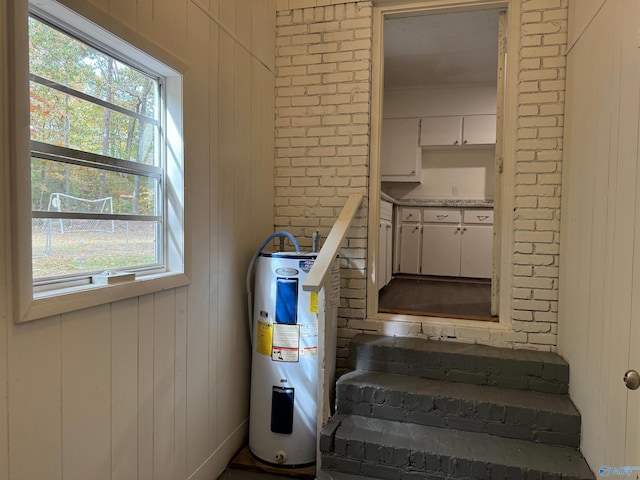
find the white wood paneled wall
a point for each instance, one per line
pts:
(5, 254)
(156, 387)
(599, 208)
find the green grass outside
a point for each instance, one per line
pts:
(90, 251)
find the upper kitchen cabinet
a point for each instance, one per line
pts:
(458, 130)
(479, 130)
(441, 131)
(401, 155)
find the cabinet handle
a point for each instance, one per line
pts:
(412, 173)
(464, 142)
(388, 226)
(456, 142)
(442, 216)
(482, 217)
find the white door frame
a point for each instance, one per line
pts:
(381, 10)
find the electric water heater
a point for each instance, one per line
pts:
(284, 369)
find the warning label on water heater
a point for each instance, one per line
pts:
(286, 341)
(284, 354)
(264, 334)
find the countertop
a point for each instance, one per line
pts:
(448, 202)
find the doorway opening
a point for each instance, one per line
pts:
(440, 167)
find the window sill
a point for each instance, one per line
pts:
(56, 302)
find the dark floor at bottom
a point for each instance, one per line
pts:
(470, 299)
(237, 474)
(245, 466)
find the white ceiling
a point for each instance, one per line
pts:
(441, 49)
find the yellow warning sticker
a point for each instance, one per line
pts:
(313, 302)
(264, 338)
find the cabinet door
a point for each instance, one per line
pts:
(441, 250)
(479, 130)
(385, 254)
(409, 248)
(476, 251)
(400, 156)
(440, 131)
(388, 268)
(382, 252)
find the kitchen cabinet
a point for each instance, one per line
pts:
(441, 236)
(410, 233)
(441, 131)
(479, 130)
(441, 250)
(458, 130)
(477, 244)
(410, 236)
(400, 153)
(385, 244)
(448, 242)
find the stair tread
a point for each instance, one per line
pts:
(461, 363)
(460, 348)
(480, 393)
(331, 475)
(469, 446)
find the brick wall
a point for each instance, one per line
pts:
(323, 89)
(323, 98)
(538, 170)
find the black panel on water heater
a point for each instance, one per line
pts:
(282, 410)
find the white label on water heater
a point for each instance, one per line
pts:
(309, 331)
(284, 354)
(286, 341)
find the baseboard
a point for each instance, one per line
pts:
(216, 463)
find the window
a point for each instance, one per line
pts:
(97, 170)
(106, 174)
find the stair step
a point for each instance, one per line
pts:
(333, 475)
(535, 416)
(376, 448)
(456, 362)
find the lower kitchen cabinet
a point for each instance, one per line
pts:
(410, 248)
(475, 251)
(385, 244)
(446, 242)
(441, 250)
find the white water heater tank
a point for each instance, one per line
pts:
(284, 369)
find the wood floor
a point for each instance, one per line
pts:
(245, 466)
(434, 296)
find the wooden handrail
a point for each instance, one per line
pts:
(318, 273)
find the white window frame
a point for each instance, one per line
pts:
(33, 303)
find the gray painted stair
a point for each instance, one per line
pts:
(376, 448)
(539, 417)
(420, 409)
(458, 362)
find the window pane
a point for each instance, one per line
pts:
(74, 64)
(64, 247)
(60, 187)
(65, 120)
